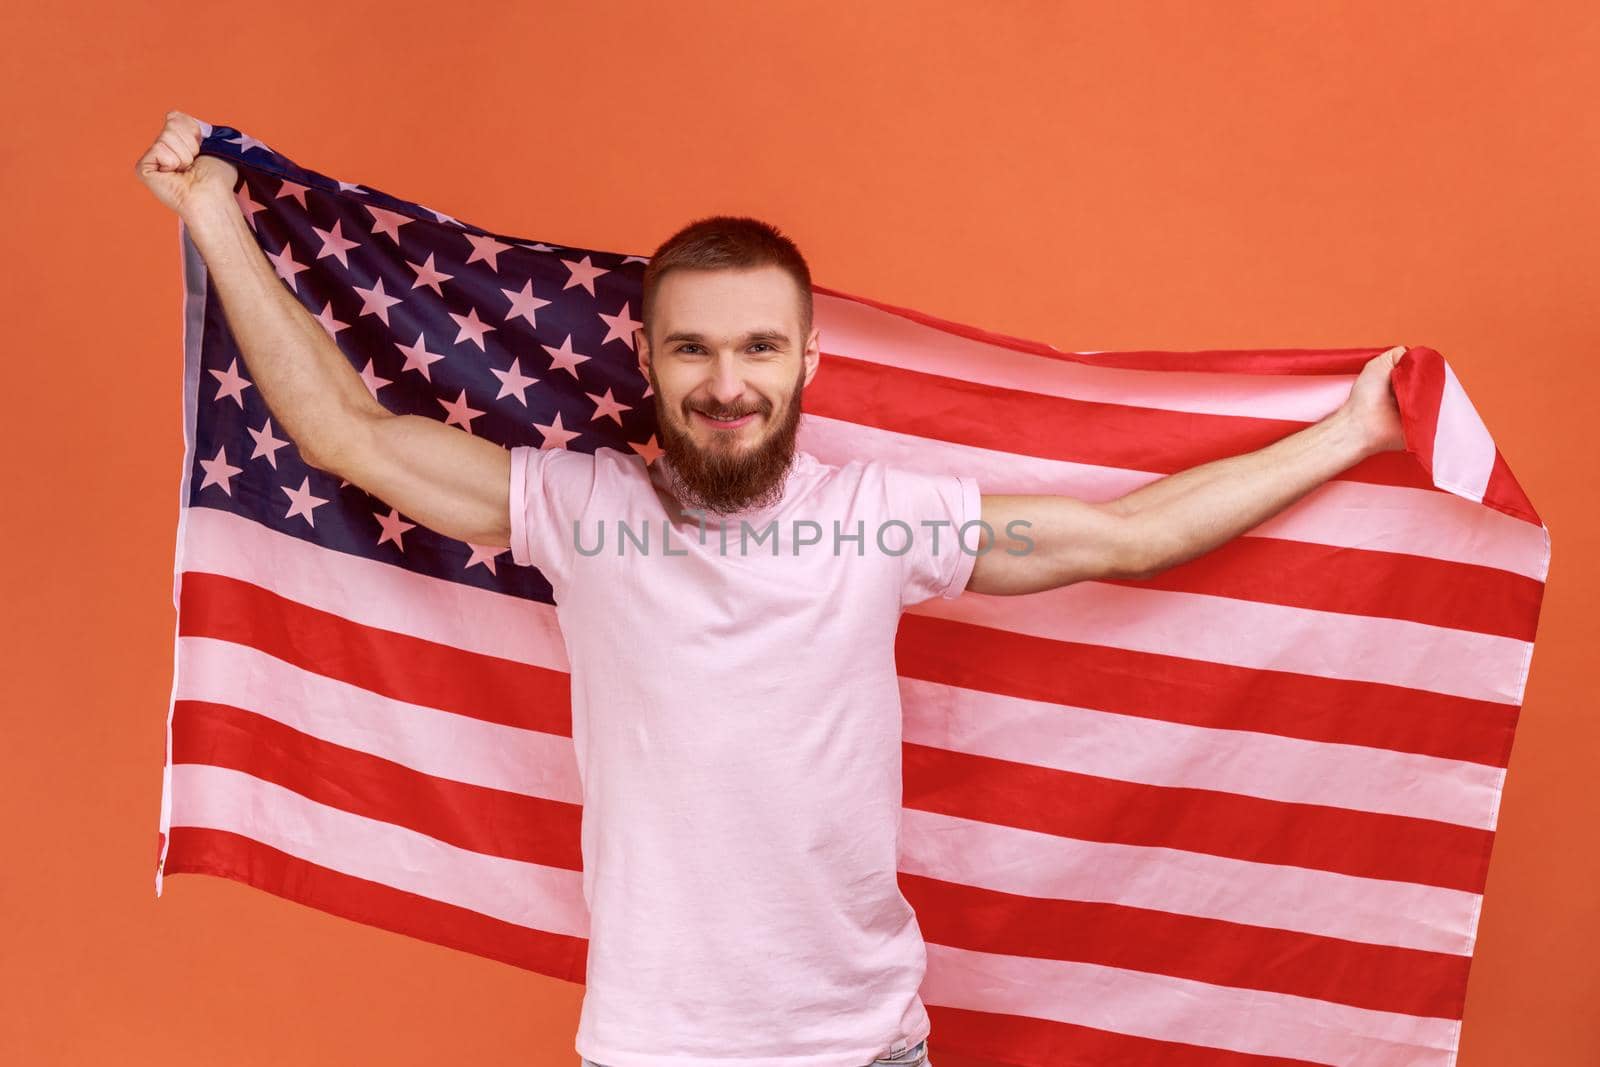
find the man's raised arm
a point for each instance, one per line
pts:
(1184, 515)
(443, 477)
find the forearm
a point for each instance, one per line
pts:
(1163, 490)
(309, 386)
(1189, 513)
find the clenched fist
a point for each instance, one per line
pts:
(177, 174)
(1371, 405)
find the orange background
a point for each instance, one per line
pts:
(1153, 176)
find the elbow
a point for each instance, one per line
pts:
(321, 455)
(336, 448)
(1137, 568)
(311, 457)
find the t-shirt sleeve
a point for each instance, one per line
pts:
(550, 489)
(936, 507)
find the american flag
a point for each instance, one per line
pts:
(1239, 813)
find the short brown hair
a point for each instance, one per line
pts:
(728, 242)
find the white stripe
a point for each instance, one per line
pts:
(1178, 755)
(528, 894)
(1386, 518)
(859, 331)
(441, 743)
(1463, 451)
(1177, 1009)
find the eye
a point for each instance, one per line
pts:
(761, 343)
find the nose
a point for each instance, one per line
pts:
(726, 384)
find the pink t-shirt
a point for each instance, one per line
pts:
(736, 717)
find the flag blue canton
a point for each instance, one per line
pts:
(520, 342)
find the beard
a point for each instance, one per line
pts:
(723, 480)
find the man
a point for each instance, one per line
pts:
(741, 773)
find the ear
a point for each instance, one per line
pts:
(812, 356)
(641, 346)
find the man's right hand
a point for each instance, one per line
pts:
(177, 174)
(439, 475)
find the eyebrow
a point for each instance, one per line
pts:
(767, 334)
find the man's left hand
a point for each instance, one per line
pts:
(1371, 406)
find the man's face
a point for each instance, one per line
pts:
(728, 367)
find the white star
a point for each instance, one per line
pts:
(461, 414)
(334, 243)
(231, 383)
(286, 266)
(583, 273)
(303, 502)
(441, 216)
(219, 472)
(607, 406)
(266, 444)
(375, 301)
(418, 358)
(485, 248)
(373, 382)
(524, 303)
(294, 189)
(620, 327)
(350, 187)
(427, 275)
(483, 554)
(472, 328)
(393, 527)
(387, 223)
(564, 357)
(513, 381)
(246, 142)
(329, 323)
(555, 434)
(247, 204)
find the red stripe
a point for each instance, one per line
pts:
(1378, 977)
(1418, 383)
(1051, 427)
(382, 661)
(1387, 585)
(489, 821)
(1088, 808)
(1504, 494)
(1202, 693)
(988, 1039)
(195, 850)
